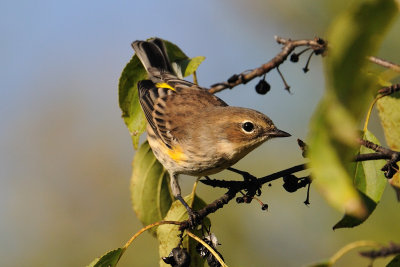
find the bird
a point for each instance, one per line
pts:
(190, 130)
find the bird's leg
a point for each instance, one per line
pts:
(176, 191)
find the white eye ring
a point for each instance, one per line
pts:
(248, 127)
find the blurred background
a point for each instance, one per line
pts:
(65, 153)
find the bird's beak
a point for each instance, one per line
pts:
(278, 133)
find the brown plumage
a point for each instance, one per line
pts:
(190, 130)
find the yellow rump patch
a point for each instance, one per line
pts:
(177, 154)
(165, 85)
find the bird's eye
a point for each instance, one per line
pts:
(248, 126)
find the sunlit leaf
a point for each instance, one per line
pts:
(129, 100)
(167, 234)
(189, 66)
(389, 113)
(353, 36)
(370, 182)
(330, 172)
(150, 194)
(110, 259)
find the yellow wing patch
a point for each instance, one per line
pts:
(165, 85)
(177, 154)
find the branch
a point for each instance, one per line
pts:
(318, 46)
(385, 63)
(393, 157)
(210, 208)
(250, 183)
(389, 90)
(392, 249)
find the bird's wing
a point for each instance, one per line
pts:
(169, 110)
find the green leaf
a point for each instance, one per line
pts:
(167, 234)
(327, 166)
(370, 182)
(129, 99)
(355, 34)
(389, 113)
(189, 66)
(395, 262)
(151, 197)
(134, 72)
(110, 259)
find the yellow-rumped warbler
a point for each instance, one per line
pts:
(190, 130)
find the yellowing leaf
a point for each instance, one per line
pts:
(167, 234)
(389, 113)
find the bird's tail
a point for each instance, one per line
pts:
(153, 56)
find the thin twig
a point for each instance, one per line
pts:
(385, 63)
(392, 157)
(317, 44)
(377, 148)
(371, 156)
(390, 89)
(392, 249)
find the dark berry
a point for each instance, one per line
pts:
(178, 257)
(263, 87)
(239, 200)
(320, 41)
(294, 58)
(290, 183)
(247, 199)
